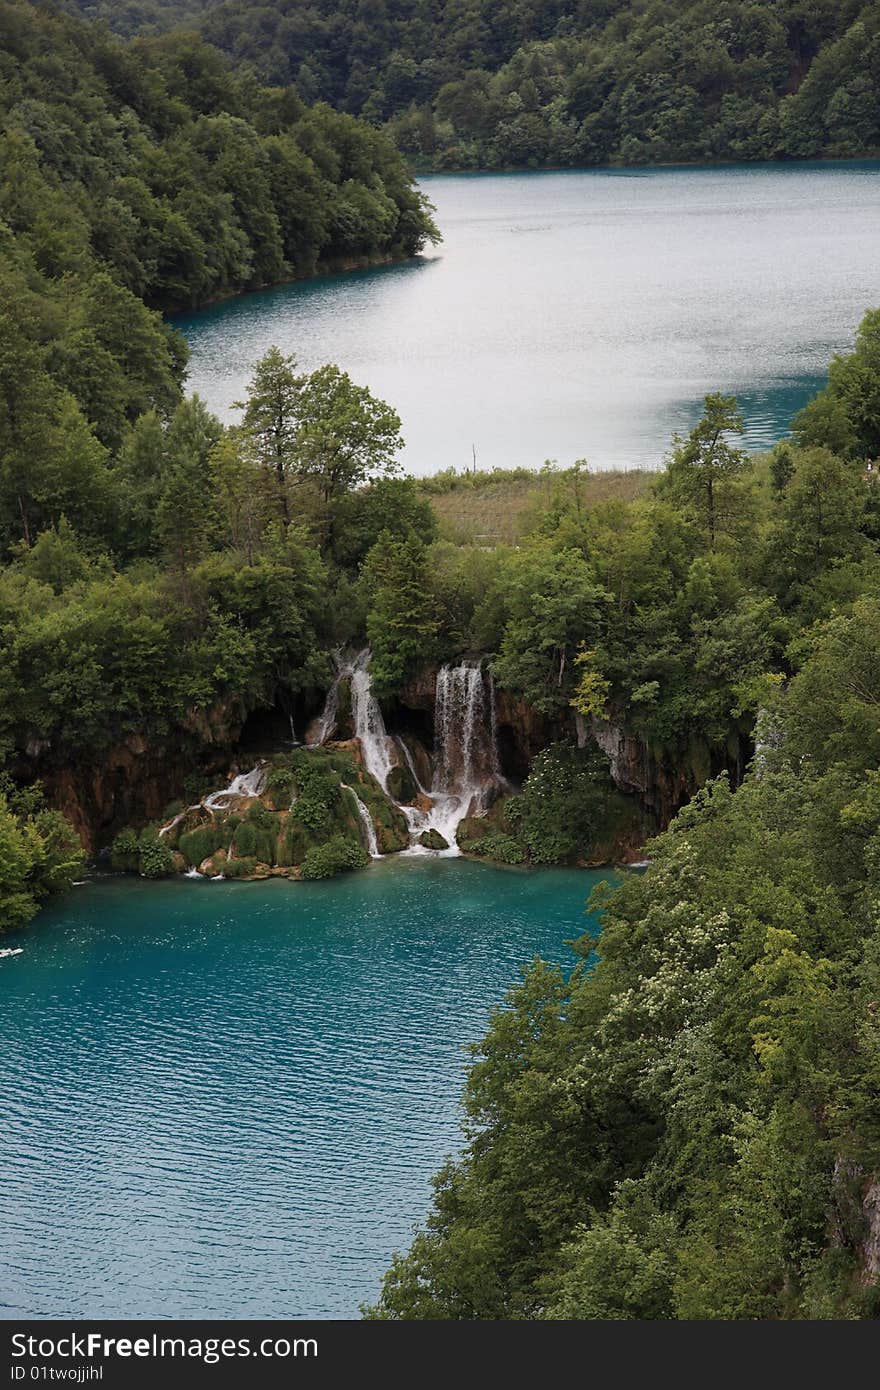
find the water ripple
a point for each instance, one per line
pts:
(228, 1100)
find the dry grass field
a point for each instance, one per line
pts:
(495, 508)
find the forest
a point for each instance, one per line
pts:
(474, 85)
(686, 1124)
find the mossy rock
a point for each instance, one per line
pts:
(421, 758)
(240, 868)
(280, 789)
(215, 864)
(473, 829)
(344, 721)
(497, 847)
(391, 838)
(432, 839)
(401, 784)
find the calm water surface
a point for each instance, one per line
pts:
(227, 1100)
(584, 315)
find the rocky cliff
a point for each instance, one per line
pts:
(134, 780)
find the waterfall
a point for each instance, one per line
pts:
(369, 726)
(366, 822)
(246, 785)
(408, 759)
(464, 728)
(325, 725)
(467, 769)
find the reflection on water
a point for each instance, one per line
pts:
(586, 314)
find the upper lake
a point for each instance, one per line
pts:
(583, 314)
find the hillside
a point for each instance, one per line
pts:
(468, 84)
(184, 181)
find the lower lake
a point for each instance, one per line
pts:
(227, 1100)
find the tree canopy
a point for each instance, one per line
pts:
(487, 85)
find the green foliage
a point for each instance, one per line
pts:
(39, 854)
(702, 473)
(345, 434)
(554, 606)
(389, 504)
(318, 799)
(336, 856)
(319, 428)
(280, 787)
(556, 83)
(198, 845)
(255, 838)
(239, 867)
(401, 624)
(661, 1134)
(125, 852)
(498, 846)
(155, 859)
(563, 805)
(845, 417)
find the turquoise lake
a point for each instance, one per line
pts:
(583, 314)
(228, 1099)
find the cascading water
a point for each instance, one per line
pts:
(366, 822)
(467, 770)
(247, 785)
(369, 725)
(325, 724)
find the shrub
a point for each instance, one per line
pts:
(255, 842)
(503, 848)
(564, 803)
(239, 868)
(318, 799)
(280, 788)
(200, 843)
(334, 857)
(125, 851)
(156, 860)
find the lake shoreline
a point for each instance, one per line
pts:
(823, 161)
(325, 270)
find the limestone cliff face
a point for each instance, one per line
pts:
(523, 731)
(636, 771)
(870, 1250)
(662, 784)
(133, 781)
(854, 1216)
(421, 692)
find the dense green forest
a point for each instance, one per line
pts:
(151, 169)
(472, 84)
(687, 1125)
